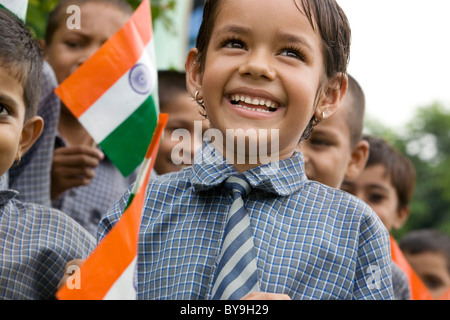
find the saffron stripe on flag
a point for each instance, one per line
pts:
(120, 101)
(104, 273)
(123, 50)
(131, 138)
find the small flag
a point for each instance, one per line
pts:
(18, 7)
(417, 288)
(108, 273)
(114, 94)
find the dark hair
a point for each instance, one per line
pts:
(21, 56)
(398, 167)
(325, 15)
(426, 240)
(355, 108)
(170, 83)
(59, 14)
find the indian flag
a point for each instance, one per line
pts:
(18, 7)
(114, 94)
(108, 273)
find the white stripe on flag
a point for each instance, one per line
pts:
(120, 101)
(123, 288)
(18, 7)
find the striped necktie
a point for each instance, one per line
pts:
(236, 273)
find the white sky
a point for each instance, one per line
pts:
(400, 55)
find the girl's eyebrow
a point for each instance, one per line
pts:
(234, 29)
(292, 38)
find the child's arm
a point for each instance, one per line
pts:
(373, 278)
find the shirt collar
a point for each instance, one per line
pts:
(283, 177)
(4, 181)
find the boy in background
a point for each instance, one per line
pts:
(35, 241)
(184, 112)
(387, 184)
(336, 151)
(428, 253)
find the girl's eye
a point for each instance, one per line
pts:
(233, 43)
(293, 53)
(3, 110)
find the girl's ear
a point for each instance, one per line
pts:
(334, 92)
(193, 74)
(31, 131)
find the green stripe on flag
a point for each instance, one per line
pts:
(127, 144)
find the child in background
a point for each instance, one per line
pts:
(261, 65)
(84, 183)
(31, 177)
(336, 151)
(387, 185)
(36, 242)
(428, 252)
(183, 111)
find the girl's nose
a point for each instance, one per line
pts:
(258, 65)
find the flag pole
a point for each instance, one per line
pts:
(144, 172)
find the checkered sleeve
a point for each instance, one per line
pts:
(373, 271)
(36, 243)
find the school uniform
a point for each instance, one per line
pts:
(311, 241)
(36, 242)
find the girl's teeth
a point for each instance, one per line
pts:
(252, 109)
(256, 102)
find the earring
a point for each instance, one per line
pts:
(316, 120)
(18, 159)
(200, 102)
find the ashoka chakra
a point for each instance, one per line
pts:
(140, 79)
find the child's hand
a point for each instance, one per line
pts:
(73, 167)
(266, 296)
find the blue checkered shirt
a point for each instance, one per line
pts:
(88, 204)
(36, 242)
(32, 176)
(311, 241)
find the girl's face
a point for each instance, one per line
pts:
(69, 48)
(263, 70)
